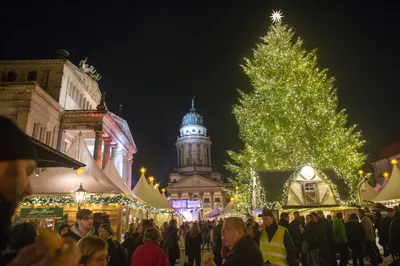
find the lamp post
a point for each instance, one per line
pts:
(80, 196)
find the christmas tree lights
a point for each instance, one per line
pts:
(290, 117)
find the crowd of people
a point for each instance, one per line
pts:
(310, 240)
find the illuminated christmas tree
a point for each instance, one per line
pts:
(291, 116)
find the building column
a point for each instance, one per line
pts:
(178, 156)
(130, 162)
(106, 151)
(209, 155)
(114, 150)
(212, 200)
(198, 154)
(182, 155)
(97, 147)
(125, 168)
(190, 155)
(60, 141)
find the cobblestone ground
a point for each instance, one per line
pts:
(366, 263)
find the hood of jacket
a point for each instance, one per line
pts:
(74, 228)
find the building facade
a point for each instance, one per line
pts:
(54, 100)
(194, 187)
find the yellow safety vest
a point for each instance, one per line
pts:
(274, 251)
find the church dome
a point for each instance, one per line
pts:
(192, 118)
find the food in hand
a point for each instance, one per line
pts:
(50, 241)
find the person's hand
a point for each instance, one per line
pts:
(68, 255)
(28, 255)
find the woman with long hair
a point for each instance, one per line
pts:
(93, 251)
(171, 242)
(193, 243)
(163, 232)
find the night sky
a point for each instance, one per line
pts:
(154, 56)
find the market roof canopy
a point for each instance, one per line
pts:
(369, 192)
(49, 157)
(148, 195)
(114, 176)
(64, 180)
(391, 190)
(212, 214)
(229, 208)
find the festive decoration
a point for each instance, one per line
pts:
(80, 196)
(290, 117)
(361, 172)
(156, 185)
(92, 199)
(276, 16)
(386, 175)
(143, 170)
(151, 179)
(79, 171)
(394, 161)
(163, 190)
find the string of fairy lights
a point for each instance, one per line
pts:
(69, 200)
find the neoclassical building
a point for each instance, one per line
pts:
(54, 100)
(194, 186)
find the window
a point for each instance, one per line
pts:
(309, 187)
(35, 134)
(310, 193)
(206, 200)
(32, 75)
(11, 76)
(217, 200)
(48, 138)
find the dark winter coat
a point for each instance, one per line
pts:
(384, 232)
(193, 244)
(116, 253)
(74, 232)
(217, 241)
(132, 243)
(171, 244)
(295, 232)
(244, 252)
(355, 234)
(311, 236)
(394, 234)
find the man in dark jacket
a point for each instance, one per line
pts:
(83, 225)
(394, 236)
(17, 166)
(384, 231)
(217, 243)
(296, 233)
(243, 249)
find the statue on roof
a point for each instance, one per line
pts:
(89, 70)
(193, 102)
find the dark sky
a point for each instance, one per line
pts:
(155, 55)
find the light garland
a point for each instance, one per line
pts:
(92, 199)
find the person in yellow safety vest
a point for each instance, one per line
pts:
(275, 242)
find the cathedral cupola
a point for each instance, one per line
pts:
(193, 123)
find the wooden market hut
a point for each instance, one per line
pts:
(53, 201)
(304, 189)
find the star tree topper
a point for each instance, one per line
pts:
(276, 16)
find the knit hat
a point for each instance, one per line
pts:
(62, 227)
(15, 145)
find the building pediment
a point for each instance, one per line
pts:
(195, 181)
